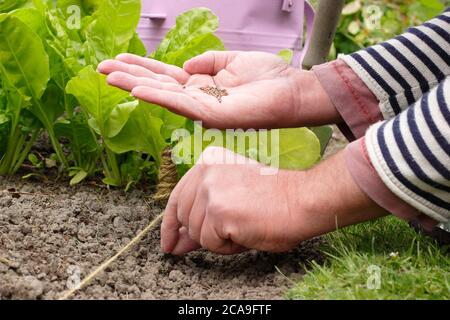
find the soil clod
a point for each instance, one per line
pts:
(51, 256)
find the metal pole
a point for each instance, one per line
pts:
(327, 18)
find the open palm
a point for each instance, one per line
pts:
(260, 86)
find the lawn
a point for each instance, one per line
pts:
(409, 265)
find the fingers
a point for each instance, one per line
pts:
(177, 102)
(211, 238)
(127, 82)
(110, 66)
(185, 243)
(155, 66)
(170, 225)
(210, 62)
(187, 224)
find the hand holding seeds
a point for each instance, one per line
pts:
(227, 89)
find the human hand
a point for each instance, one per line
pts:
(225, 205)
(263, 91)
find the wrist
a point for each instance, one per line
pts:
(328, 198)
(312, 104)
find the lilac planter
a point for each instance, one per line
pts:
(263, 25)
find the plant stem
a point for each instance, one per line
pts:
(17, 151)
(112, 161)
(105, 164)
(25, 151)
(13, 140)
(57, 147)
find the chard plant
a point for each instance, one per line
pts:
(49, 52)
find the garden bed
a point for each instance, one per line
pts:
(49, 231)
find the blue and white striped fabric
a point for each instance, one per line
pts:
(401, 70)
(410, 150)
(411, 153)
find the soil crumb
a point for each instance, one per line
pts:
(53, 235)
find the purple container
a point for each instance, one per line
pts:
(250, 25)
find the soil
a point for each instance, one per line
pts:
(52, 234)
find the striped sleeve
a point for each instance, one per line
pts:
(401, 70)
(411, 153)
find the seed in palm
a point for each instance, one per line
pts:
(215, 92)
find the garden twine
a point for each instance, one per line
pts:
(168, 177)
(108, 262)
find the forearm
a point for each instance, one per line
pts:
(330, 199)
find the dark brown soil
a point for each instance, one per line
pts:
(52, 234)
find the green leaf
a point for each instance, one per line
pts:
(24, 65)
(136, 46)
(354, 27)
(171, 121)
(112, 28)
(95, 96)
(110, 182)
(324, 134)
(23, 60)
(351, 8)
(194, 48)
(124, 125)
(425, 10)
(118, 117)
(9, 5)
(33, 159)
(433, 4)
(287, 55)
(78, 177)
(296, 148)
(87, 7)
(141, 133)
(33, 19)
(52, 100)
(3, 119)
(299, 148)
(4, 134)
(79, 134)
(189, 26)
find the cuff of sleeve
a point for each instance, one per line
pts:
(354, 101)
(366, 177)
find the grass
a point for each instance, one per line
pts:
(410, 266)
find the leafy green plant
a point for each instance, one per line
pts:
(123, 123)
(24, 87)
(49, 51)
(367, 22)
(61, 49)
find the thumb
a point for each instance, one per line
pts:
(211, 62)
